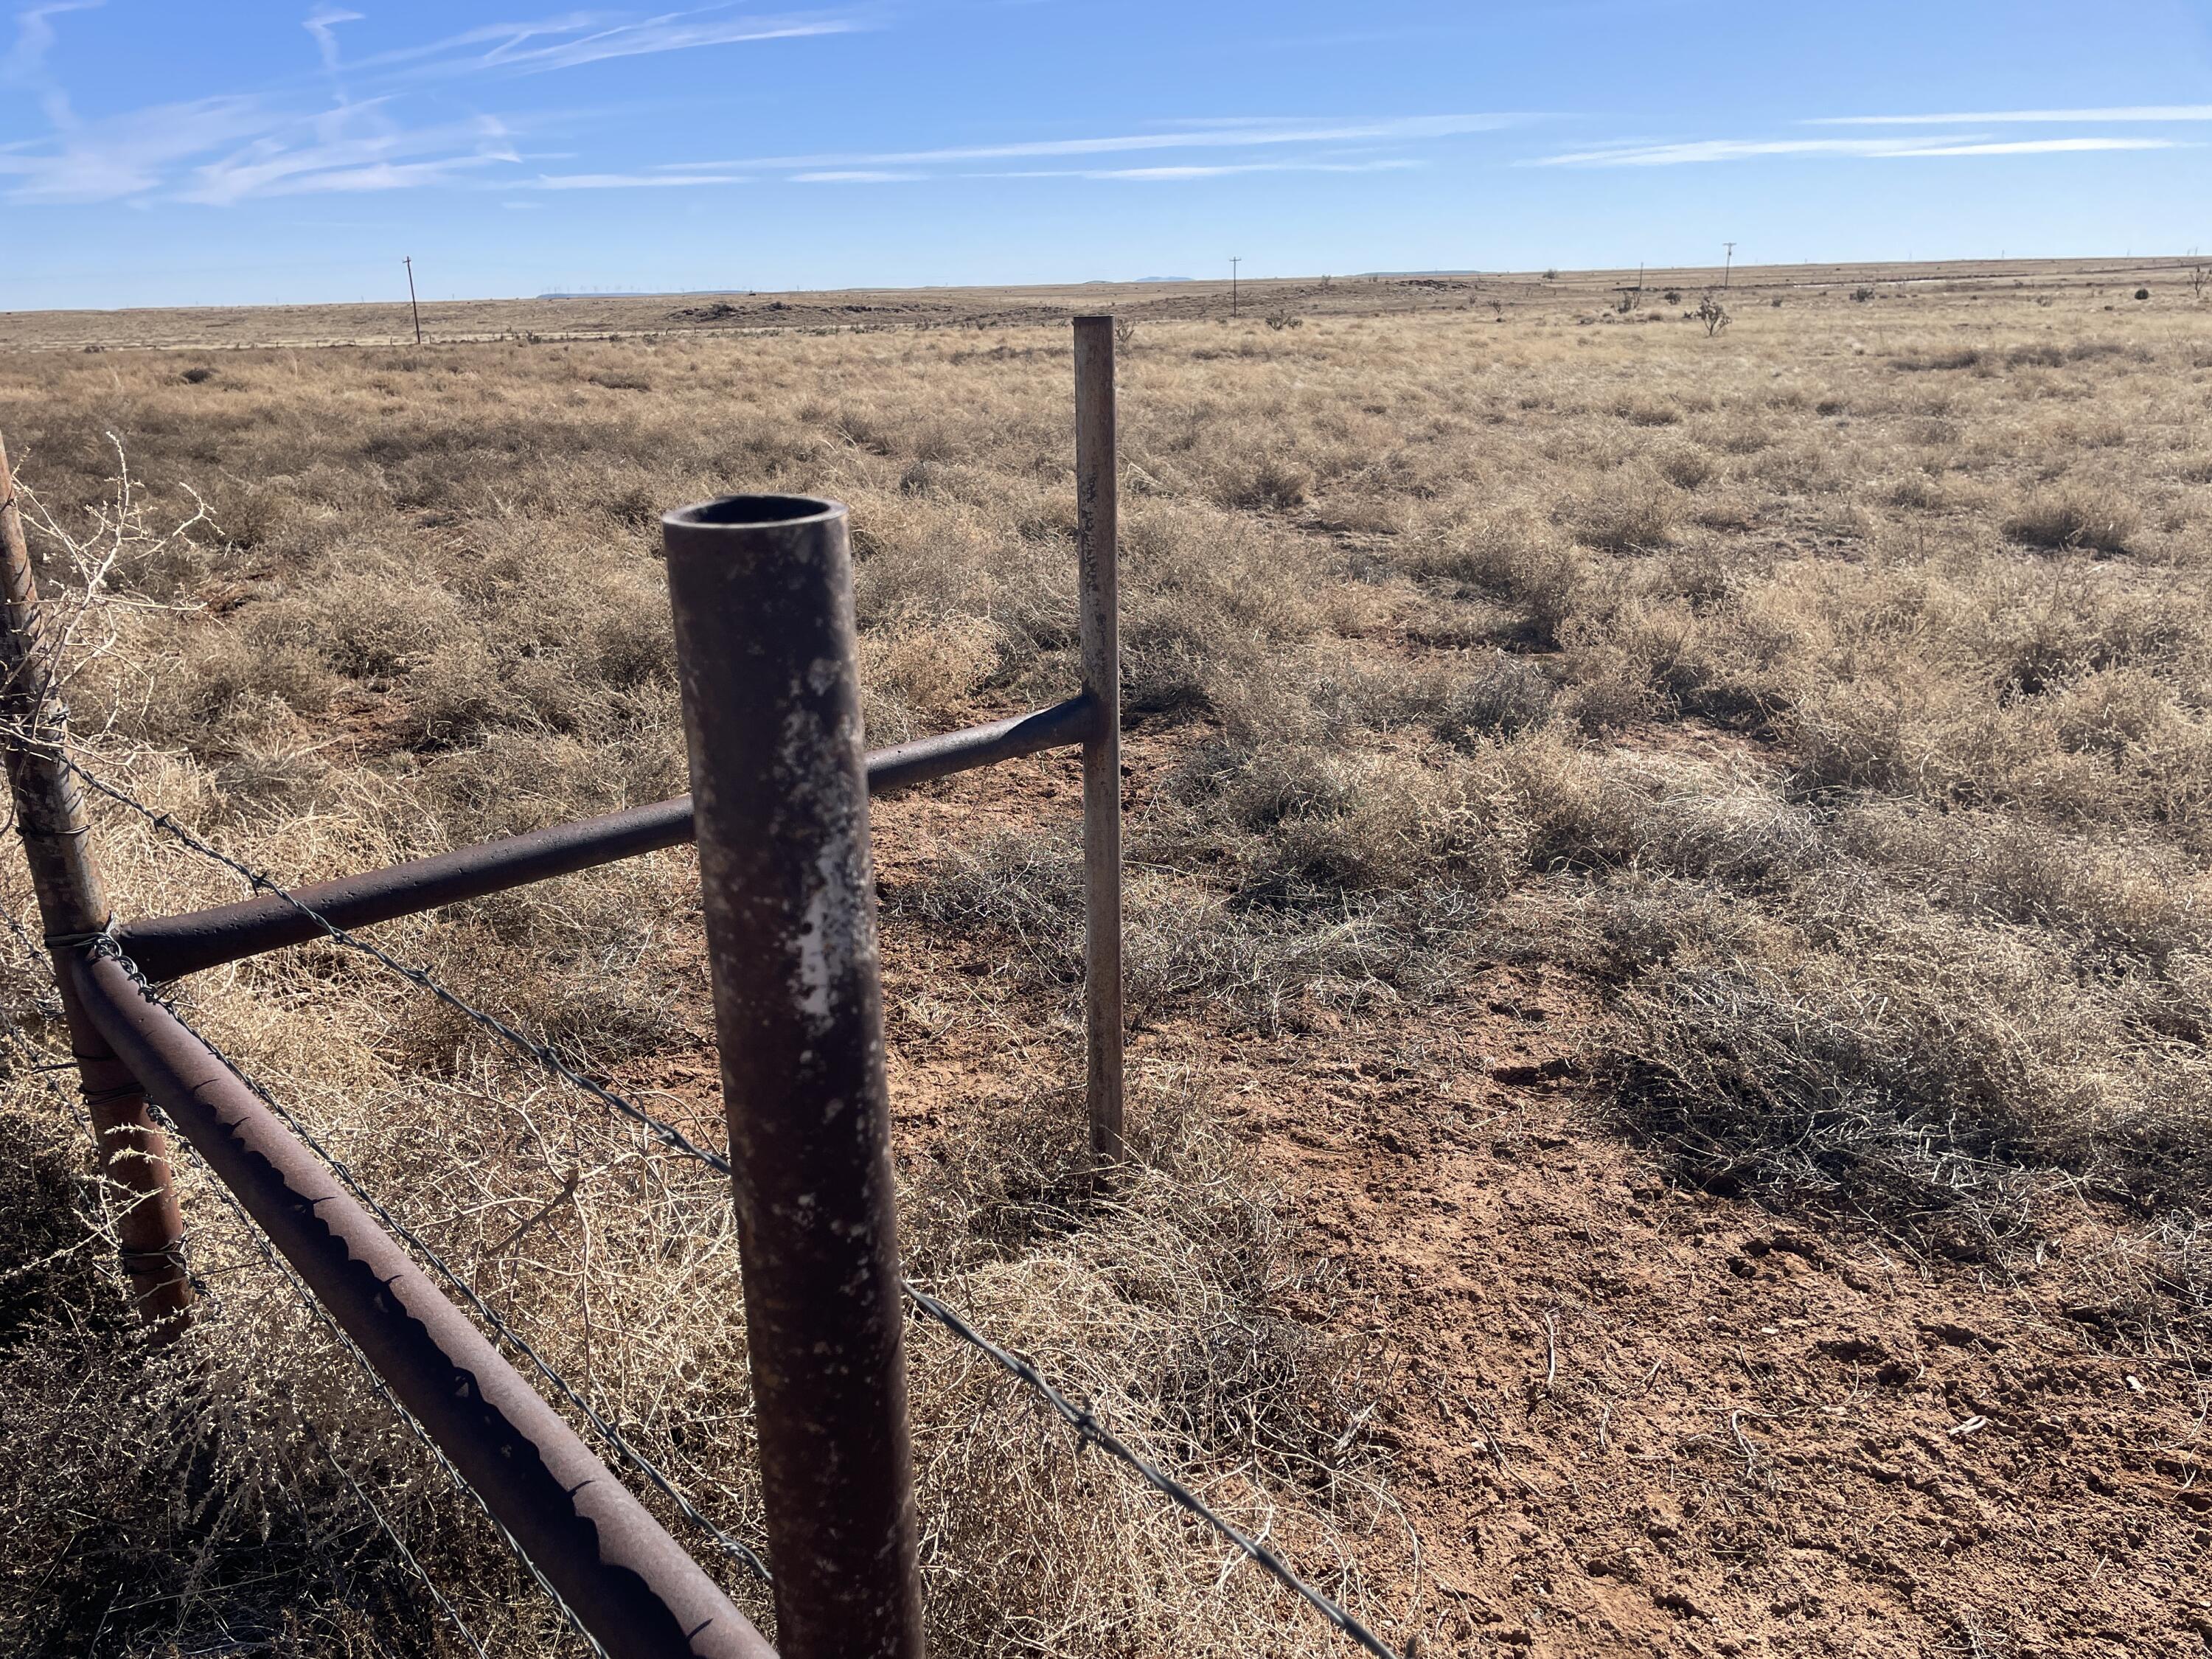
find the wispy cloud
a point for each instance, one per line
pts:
(346, 124)
(129, 154)
(1233, 133)
(307, 134)
(1738, 150)
(2024, 117)
(25, 64)
(358, 148)
(633, 180)
(2045, 146)
(322, 24)
(1170, 174)
(581, 38)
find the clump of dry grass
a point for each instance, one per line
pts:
(1932, 1073)
(2099, 520)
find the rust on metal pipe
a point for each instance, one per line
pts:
(629, 1584)
(1097, 537)
(761, 587)
(169, 947)
(50, 817)
(927, 758)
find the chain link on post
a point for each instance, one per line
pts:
(50, 816)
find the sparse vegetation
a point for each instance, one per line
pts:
(1616, 824)
(2085, 517)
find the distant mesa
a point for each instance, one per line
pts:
(1167, 279)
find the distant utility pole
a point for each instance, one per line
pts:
(1233, 263)
(1727, 264)
(409, 261)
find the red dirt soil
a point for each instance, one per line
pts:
(1625, 1416)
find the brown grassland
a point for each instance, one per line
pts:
(1671, 943)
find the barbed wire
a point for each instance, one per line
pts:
(454, 1613)
(1088, 1429)
(261, 882)
(1090, 1432)
(322, 1315)
(502, 1329)
(216, 1304)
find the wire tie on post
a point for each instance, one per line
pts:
(81, 941)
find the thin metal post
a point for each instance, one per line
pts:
(762, 590)
(50, 816)
(1098, 505)
(409, 261)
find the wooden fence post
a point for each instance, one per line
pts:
(50, 817)
(1097, 509)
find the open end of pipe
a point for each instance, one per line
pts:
(755, 511)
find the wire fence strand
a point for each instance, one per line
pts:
(1088, 1429)
(502, 1330)
(261, 882)
(298, 1286)
(1090, 1432)
(384, 1523)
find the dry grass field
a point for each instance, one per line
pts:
(1671, 942)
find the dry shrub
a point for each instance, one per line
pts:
(370, 624)
(916, 673)
(1923, 1071)
(2077, 519)
(1268, 482)
(1512, 555)
(1210, 597)
(1631, 511)
(1686, 467)
(1175, 1303)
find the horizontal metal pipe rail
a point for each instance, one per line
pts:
(169, 947)
(628, 1582)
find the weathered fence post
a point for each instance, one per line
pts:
(762, 590)
(50, 816)
(1097, 513)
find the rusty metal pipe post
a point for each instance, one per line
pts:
(1097, 507)
(50, 816)
(629, 1583)
(762, 590)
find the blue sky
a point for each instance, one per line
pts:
(156, 153)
